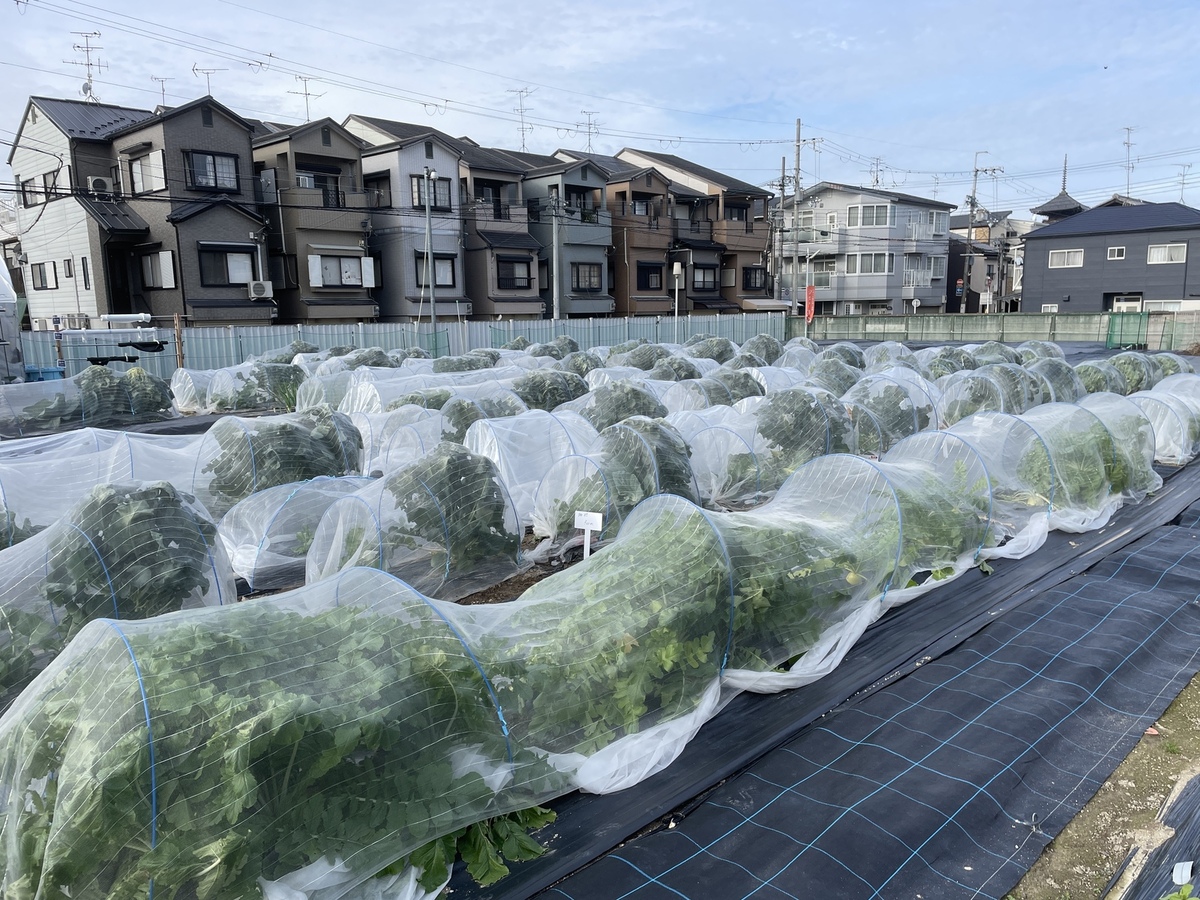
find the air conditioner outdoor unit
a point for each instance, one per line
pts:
(98, 184)
(260, 290)
(40, 324)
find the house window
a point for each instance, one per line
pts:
(937, 266)
(754, 278)
(585, 277)
(429, 149)
(326, 137)
(704, 278)
(50, 184)
(870, 263)
(206, 116)
(341, 271)
(1116, 252)
(44, 276)
(583, 174)
(443, 270)
(1159, 254)
(939, 221)
(822, 271)
(1066, 259)
(440, 188)
(379, 191)
(158, 270)
(866, 216)
(649, 277)
(212, 171)
(87, 275)
(641, 207)
(221, 267)
(736, 213)
(513, 274)
(146, 173)
(31, 192)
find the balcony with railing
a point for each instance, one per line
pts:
(585, 224)
(644, 224)
(488, 215)
(740, 234)
(918, 230)
(692, 229)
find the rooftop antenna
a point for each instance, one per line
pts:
(1183, 170)
(306, 94)
(591, 126)
(88, 63)
(1128, 129)
(162, 85)
(207, 73)
(520, 110)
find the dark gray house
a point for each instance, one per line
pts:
(1122, 258)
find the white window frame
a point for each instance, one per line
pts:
(44, 276)
(856, 215)
(937, 267)
(709, 280)
(158, 270)
(1116, 253)
(1063, 259)
(147, 174)
(1172, 254)
(854, 263)
(333, 270)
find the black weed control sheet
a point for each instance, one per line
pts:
(980, 719)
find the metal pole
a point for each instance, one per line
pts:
(796, 228)
(430, 272)
(556, 258)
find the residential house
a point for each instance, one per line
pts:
(567, 216)
(128, 211)
(865, 250)
(999, 288)
(311, 192)
(410, 220)
(1115, 257)
(638, 199)
(971, 272)
(721, 238)
(498, 253)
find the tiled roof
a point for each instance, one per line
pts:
(89, 121)
(185, 211)
(1064, 203)
(1118, 219)
(475, 156)
(727, 182)
(876, 191)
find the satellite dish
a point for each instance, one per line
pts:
(916, 302)
(86, 89)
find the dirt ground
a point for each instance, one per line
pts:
(1124, 814)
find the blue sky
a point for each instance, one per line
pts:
(905, 94)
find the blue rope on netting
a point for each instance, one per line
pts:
(149, 741)
(111, 590)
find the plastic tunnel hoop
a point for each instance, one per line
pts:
(568, 470)
(973, 429)
(1176, 435)
(927, 447)
(1019, 421)
(714, 447)
(669, 503)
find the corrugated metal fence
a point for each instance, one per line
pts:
(214, 348)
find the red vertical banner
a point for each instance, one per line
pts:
(810, 302)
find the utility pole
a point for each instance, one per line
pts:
(1128, 129)
(796, 229)
(777, 244)
(972, 203)
(556, 257)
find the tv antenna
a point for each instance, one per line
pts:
(520, 110)
(207, 73)
(591, 126)
(306, 93)
(86, 48)
(162, 85)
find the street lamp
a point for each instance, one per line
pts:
(677, 274)
(430, 272)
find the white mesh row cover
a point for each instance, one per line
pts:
(885, 354)
(1176, 425)
(777, 378)
(1020, 388)
(524, 447)
(444, 524)
(375, 357)
(190, 389)
(1133, 444)
(254, 386)
(629, 462)
(900, 407)
(125, 551)
(546, 389)
(95, 398)
(730, 463)
(966, 392)
(267, 535)
(1140, 370)
(992, 352)
(377, 428)
(612, 374)
(1065, 384)
(284, 354)
(38, 488)
(1098, 375)
(239, 456)
(1032, 351)
(1173, 364)
(323, 390)
(692, 421)
(374, 395)
(408, 443)
(63, 443)
(799, 358)
(353, 720)
(941, 361)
